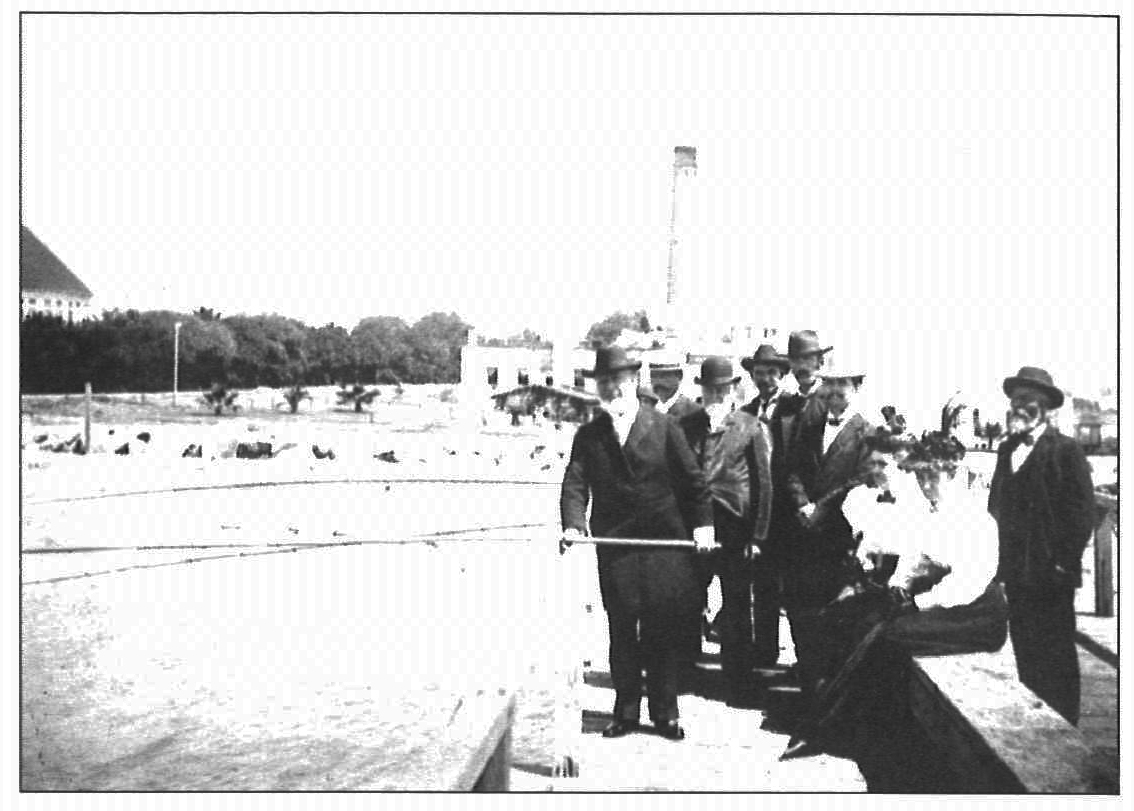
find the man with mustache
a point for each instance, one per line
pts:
(635, 467)
(734, 455)
(767, 368)
(805, 354)
(1043, 503)
(665, 380)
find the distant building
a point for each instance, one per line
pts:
(47, 285)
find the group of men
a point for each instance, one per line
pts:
(759, 488)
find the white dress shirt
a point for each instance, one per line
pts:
(663, 407)
(832, 431)
(959, 533)
(1024, 450)
(625, 421)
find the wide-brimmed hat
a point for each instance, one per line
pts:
(611, 359)
(766, 355)
(716, 370)
(805, 342)
(1036, 378)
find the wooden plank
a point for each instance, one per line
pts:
(998, 732)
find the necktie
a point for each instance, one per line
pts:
(1021, 439)
(835, 421)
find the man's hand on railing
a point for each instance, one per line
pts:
(704, 540)
(569, 537)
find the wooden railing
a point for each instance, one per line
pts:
(1106, 527)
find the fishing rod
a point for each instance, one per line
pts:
(288, 483)
(468, 534)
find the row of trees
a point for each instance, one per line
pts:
(133, 351)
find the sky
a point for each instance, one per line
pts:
(936, 197)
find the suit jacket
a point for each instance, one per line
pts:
(682, 408)
(777, 425)
(737, 470)
(1044, 513)
(638, 490)
(825, 477)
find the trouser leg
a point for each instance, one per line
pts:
(1042, 627)
(809, 586)
(625, 664)
(662, 654)
(765, 614)
(737, 644)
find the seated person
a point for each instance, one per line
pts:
(914, 507)
(927, 558)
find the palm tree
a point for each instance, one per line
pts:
(219, 397)
(294, 395)
(358, 395)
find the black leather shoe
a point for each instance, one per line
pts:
(617, 729)
(671, 730)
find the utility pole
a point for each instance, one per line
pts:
(684, 169)
(176, 347)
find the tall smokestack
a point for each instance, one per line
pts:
(684, 170)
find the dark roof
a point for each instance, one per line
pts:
(548, 392)
(40, 269)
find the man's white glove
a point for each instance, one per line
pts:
(568, 537)
(704, 539)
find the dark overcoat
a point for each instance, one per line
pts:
(638, 490)
(1044, 512)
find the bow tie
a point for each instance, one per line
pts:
(835, 421)
(1022, 439)
(887, 497)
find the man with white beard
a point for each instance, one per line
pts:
(1043, 503)
(734, 455)
(635, 467)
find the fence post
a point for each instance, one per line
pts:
(87, 419)
(1104, 560)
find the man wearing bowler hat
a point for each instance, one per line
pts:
(1043, 503)
(635, 468)
(734, 455)
(826, 461)
(767, 368)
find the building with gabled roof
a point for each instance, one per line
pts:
(47, 285)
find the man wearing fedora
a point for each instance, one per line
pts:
(805, 354)
(767, 368)
(1043, 503)
(665, 380)
(828, 459)
(733, 453)
(634, 466)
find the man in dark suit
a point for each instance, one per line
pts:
(806, 356)
(1043, 503)
(766, 368)
(637, 467)
(734, 455)
(828, 459)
